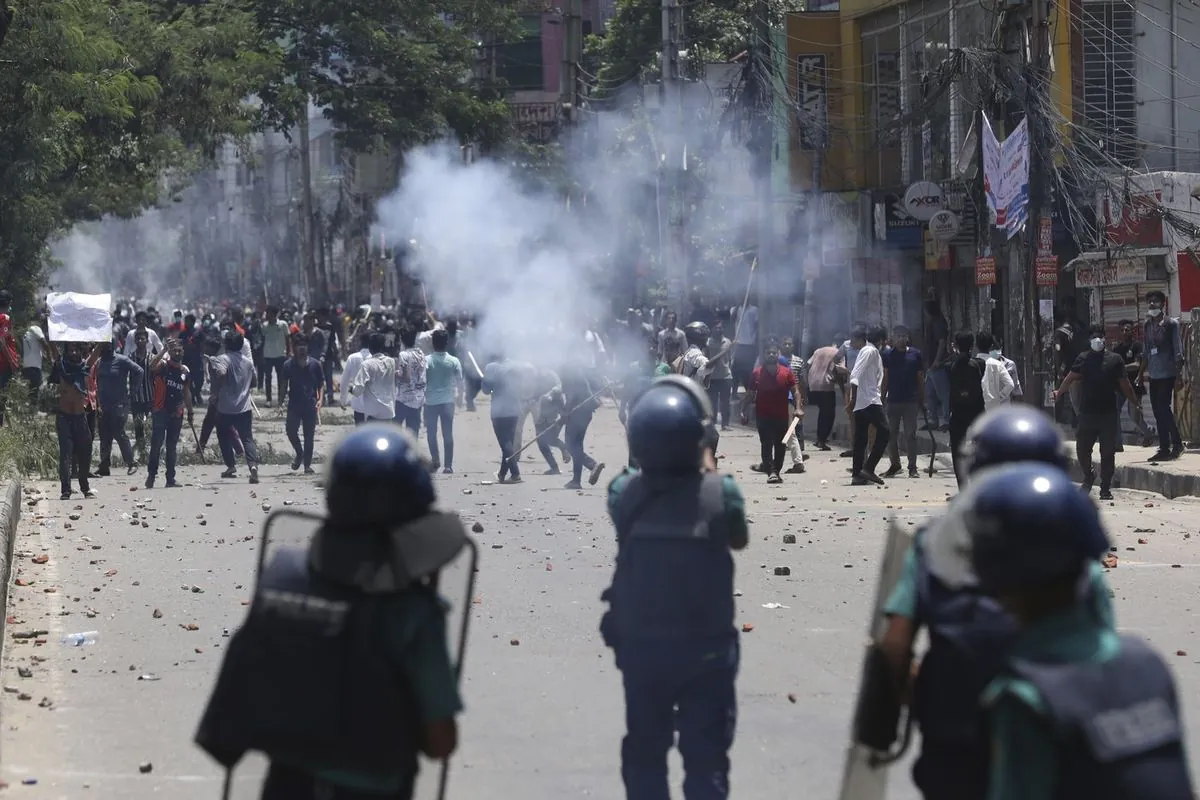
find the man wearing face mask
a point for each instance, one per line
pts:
(1161, 360)
(998, 385)
(1101, 374)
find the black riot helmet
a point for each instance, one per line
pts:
(697, 333)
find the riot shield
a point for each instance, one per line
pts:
(866, 768)
(287, 531)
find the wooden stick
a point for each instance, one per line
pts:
(791, 429)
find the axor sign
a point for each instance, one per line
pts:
(924, 199)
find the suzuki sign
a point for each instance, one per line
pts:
(924, 199)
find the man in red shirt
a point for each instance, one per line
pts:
(770, 385)
(10, 361)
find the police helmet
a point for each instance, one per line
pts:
(376, 478)
(1029, 525)
(696, 333)
(1009, 434)
(668, 424)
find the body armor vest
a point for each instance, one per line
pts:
(1118, 726)
(674, 576)
(307, 680)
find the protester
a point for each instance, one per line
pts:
(171, 399)
(443, 379)
(305, 379)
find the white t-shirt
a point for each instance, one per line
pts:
(425, 338)
(32, 347)
(867, 375)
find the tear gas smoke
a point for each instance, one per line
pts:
(136, 257)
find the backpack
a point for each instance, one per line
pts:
(966, 383)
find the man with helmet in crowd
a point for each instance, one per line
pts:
(344, 690)
(233, 379)
(1078, 710)
(694, 360)
(671, 619)
(969, 632)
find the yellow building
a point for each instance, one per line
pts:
(853, 74)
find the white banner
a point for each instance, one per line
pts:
(76, 317)
(1006, 176)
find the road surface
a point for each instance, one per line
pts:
(162, 576)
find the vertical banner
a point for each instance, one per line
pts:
(812, 94)
(1006, 176)
(985, 271)
(1046, 265)
(993, 175)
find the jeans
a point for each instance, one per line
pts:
(687, 687)
(505, 428)
(274, 366)
(903, 414)
(306, 416)
(112, 426)
(770, 438)
(1162, 395)
(1103, 427)
(327, 364)
(196, 374)
(164, 427)
(74, 446)
(443, 413)
(548, 438)
(577, 425)
(720, 390)
(409, 417)
(937, 394)
(238, 424)
(1138, 420)
(474, 386)
(871, 416)
(288, 783)
(826, 403)
(359, 418)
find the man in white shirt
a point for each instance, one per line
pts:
(33, 345)
(154, 344)
(353, 364)
(425, 338)
(866, 387)
(997, 383)
(745, 346)
(375, 382)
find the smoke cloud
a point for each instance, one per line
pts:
(136, 258)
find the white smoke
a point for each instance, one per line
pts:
(136, 257)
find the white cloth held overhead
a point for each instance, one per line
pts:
(77, 317)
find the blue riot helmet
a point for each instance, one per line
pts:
(377, 479)
(1009, 434)
(1029, 526)
(668, 425)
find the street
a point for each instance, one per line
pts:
(163, 575)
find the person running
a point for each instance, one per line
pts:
(171, 397)
(304, 378)
(502, 379)
(443, 379)
(410, 381)
(580, 400)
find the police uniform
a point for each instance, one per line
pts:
(1078, 710)
(673, 629)
(342, 664)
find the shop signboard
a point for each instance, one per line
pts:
(1115, 272)
(985, 271)
(1047, 270)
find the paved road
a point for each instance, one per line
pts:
(544, 702)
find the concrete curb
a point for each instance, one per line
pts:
(10, 515)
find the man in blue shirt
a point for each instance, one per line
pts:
(1162, 358)
(304, 378)
(904, 394)
(443, 377)
(114, 373)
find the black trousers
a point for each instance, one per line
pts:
(505, 429)
(1162, 395)
(297, 417)
(720, 390)
(770, 439)
(826, 403)
(577, 425)
(863, 420)
(273, 366)
(287, 783)
(960, 422)
(74, 447)
(1106, 429)
(112, 426)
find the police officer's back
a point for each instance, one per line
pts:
(341, 673)
(1079, 711)
(969, 632)
(671, 623)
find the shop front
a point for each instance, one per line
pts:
(1114, 285)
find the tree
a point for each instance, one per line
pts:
(385, 72)
(100, 100)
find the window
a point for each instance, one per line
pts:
(881, 96)
(519, 63)
(1109, 99)
(928, 46)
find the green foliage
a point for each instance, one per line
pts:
(387, 72)
(99, 99)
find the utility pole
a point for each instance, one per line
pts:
(572, 55)
(1037, 80)
(307, 235)
(762, 65)
(673, 158)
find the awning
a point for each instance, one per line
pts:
(1090, 258)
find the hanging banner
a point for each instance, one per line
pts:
(1006, 176)
(1047, 271)
(985, 271)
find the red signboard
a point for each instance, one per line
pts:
(985, 271)
(1045, 236)
(1134, 221)
(1047, 271)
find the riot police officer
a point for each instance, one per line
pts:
(671, 621)
(969, 632)
(1078, 710)
(341, 673)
